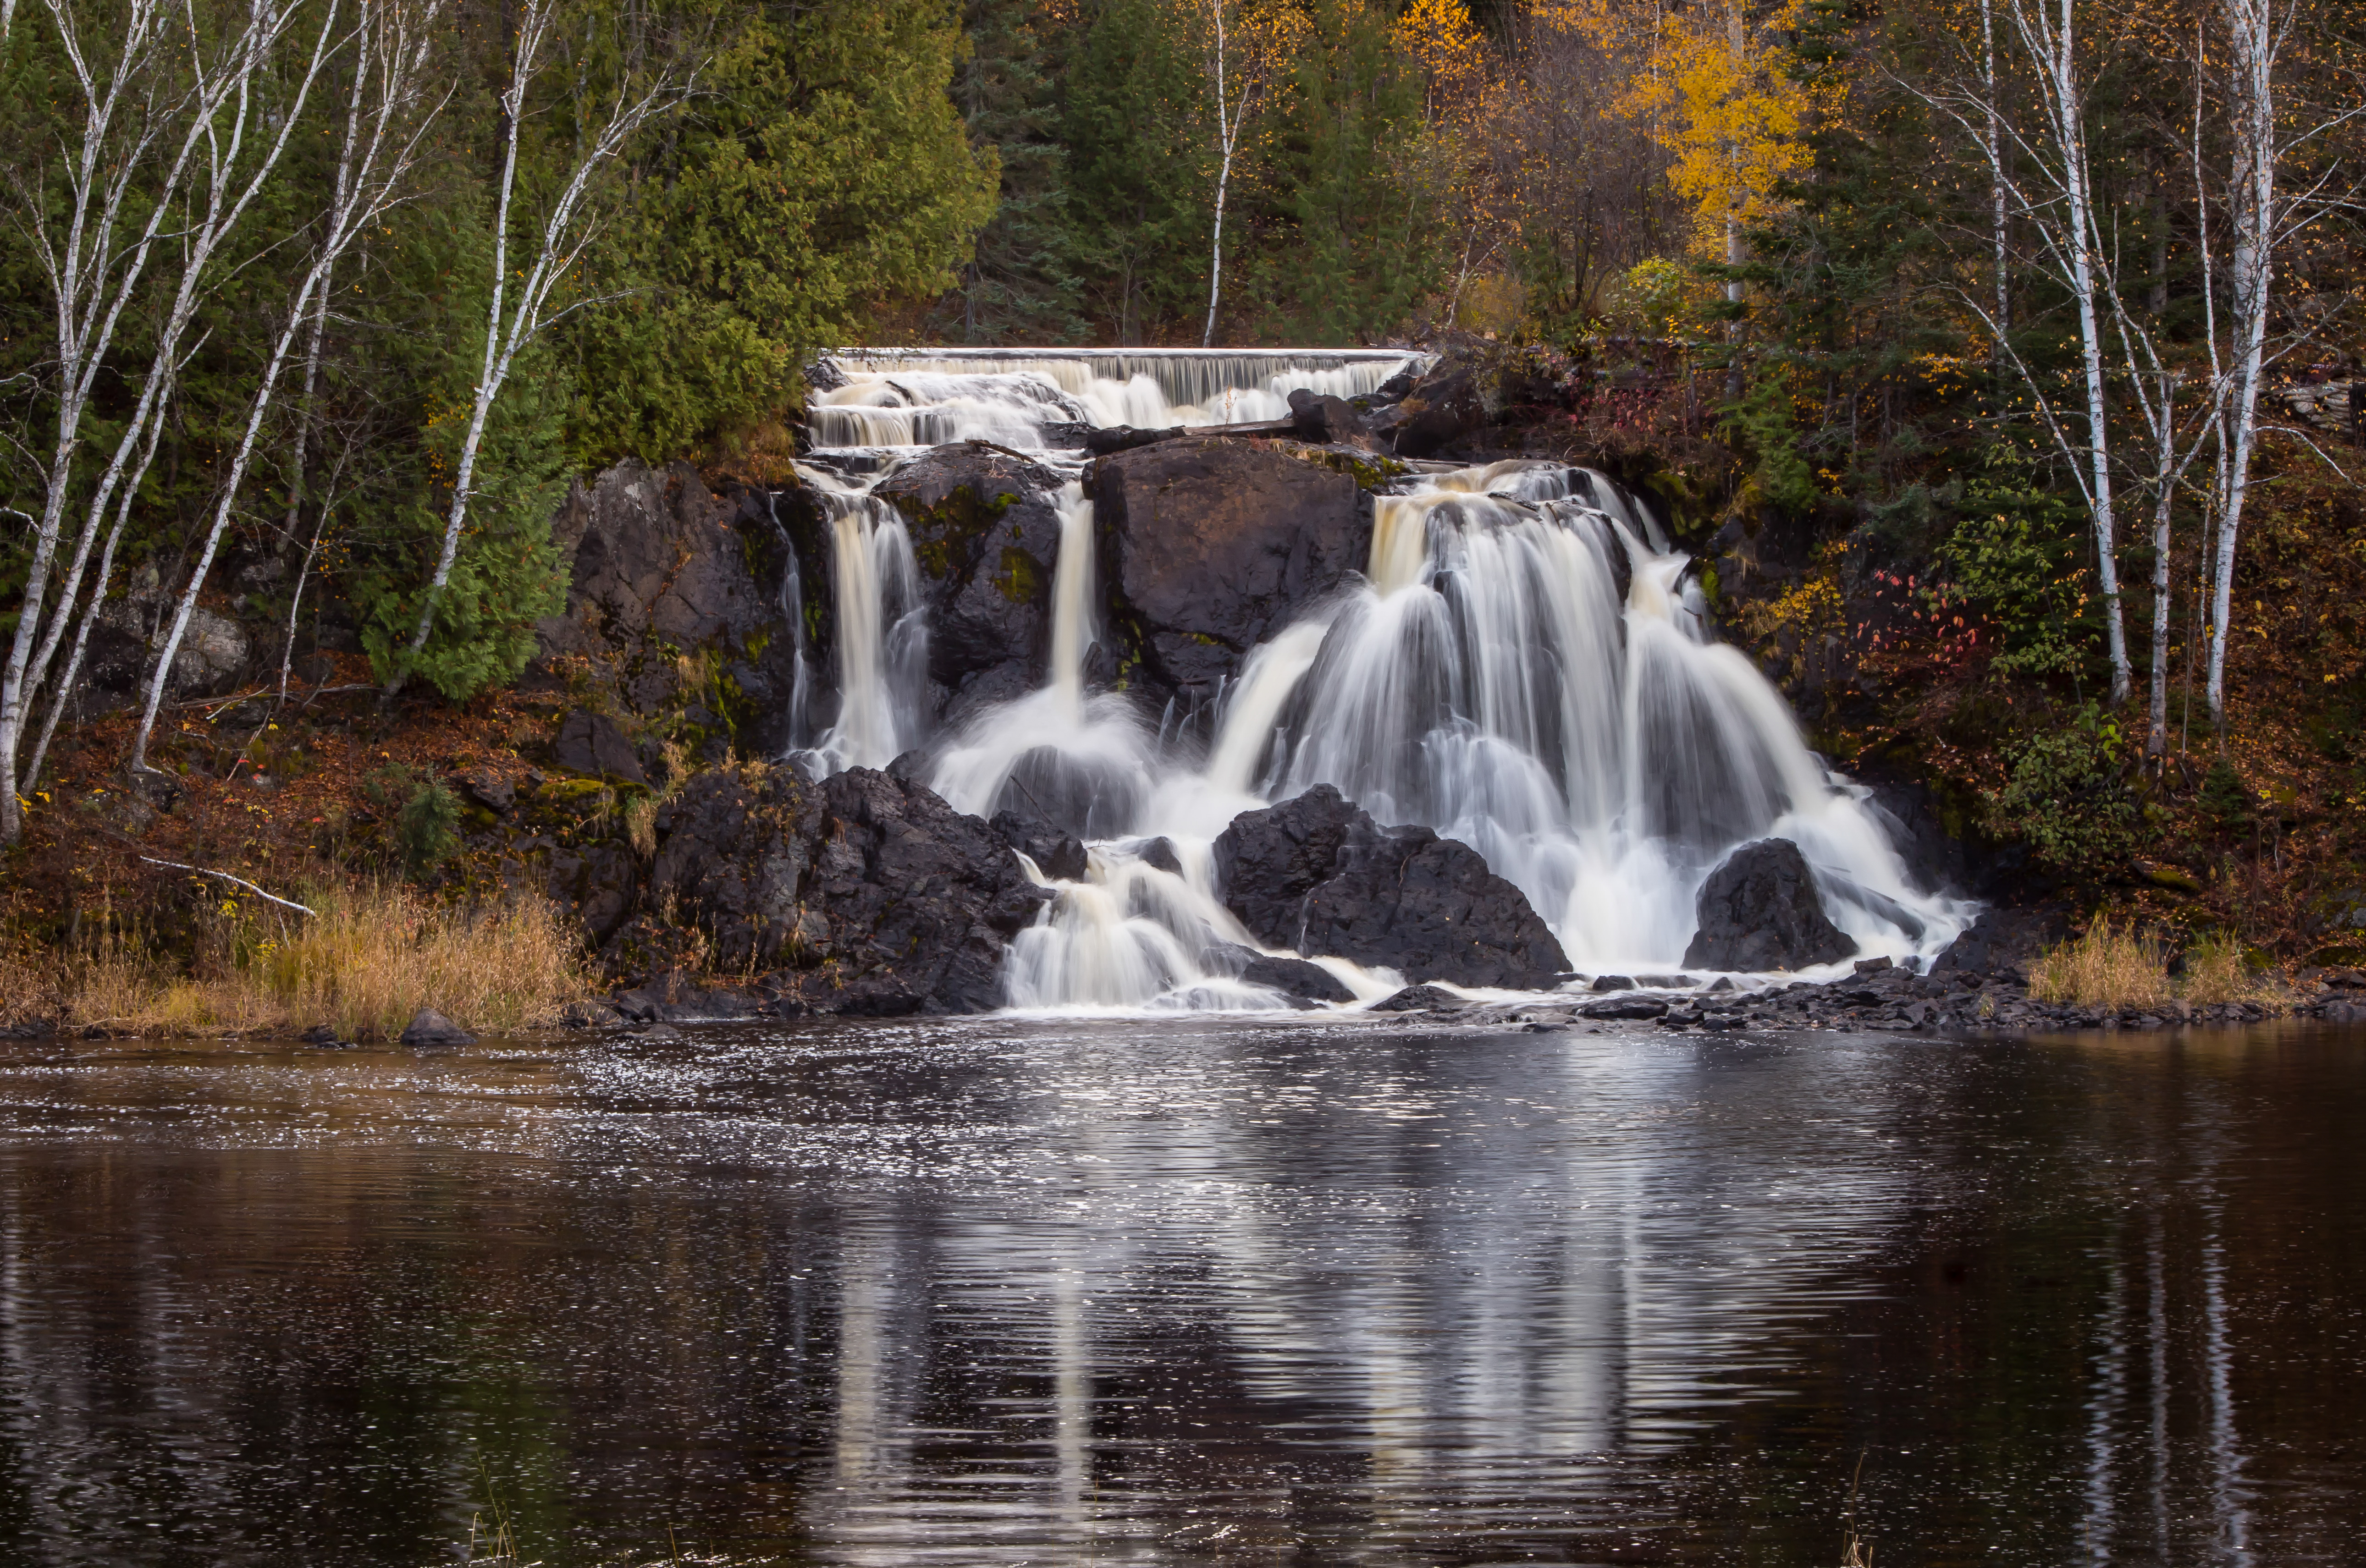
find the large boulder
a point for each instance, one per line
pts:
(1761, 911)
(1318, 875)
(1445, 405)
(864, 894)
(986, 536)
(1210, 546)
(663, 568)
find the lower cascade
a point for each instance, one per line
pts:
(1523, 667)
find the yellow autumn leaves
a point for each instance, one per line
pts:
(1712, 92)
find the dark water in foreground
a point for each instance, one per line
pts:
(1189, 1292)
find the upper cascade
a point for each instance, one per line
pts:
(1043, 399)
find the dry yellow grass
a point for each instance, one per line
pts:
(2110, 967)
(2216, 970)
(2106, 966)
(368, 960)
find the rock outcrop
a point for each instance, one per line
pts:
(1210, 545)
(988, 540)
(1316, 874)
(664, 568)
(1444, 404)
(864, 894)
(1760, 911)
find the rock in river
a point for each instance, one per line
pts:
(1316, 874)
(1761, 911)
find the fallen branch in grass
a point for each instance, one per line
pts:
(226, 876)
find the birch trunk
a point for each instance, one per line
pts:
(386, 74)
(2250, 31)
(1225, 132)
(93, 275)
(510, 329)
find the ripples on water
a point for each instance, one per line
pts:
(1199, 1292)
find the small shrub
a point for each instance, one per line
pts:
(427, 829)
(2068, 798)
(2223, 799)
(2104, 967)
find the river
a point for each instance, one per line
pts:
(1194, 1291)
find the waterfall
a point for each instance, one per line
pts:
(882, 632)
(927, 398)
(1525, 665)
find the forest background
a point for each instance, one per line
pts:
(2008, 399)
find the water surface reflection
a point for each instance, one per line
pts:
(1192, 1293)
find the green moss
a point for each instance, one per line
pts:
(1371, 471)
(1018, 576)
(943, 535)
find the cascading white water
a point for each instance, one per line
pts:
(883, 631)
(1488, 678)
(1525, 666)
(907, 398)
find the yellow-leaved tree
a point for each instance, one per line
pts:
(1451, 154)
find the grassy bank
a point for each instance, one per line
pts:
(363, 962)
(2111, 965)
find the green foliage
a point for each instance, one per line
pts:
(1762, 422)
(425, 831)
(1346, 253)
(1139, 184)
(826, 175)
(2015, 556)
(508, 573)
(1021, 284)
(2067, 796)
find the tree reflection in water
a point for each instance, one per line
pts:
(1201, 1293)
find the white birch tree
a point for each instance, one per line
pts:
(515, 319)
(1243, 54)
(169, 100)
(2055, 201)
(384, 127)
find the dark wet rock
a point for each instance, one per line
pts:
(1317, 875)
(1723, 982)
(1760, 910)
(588, 1015)
(987, 537)
(1873, 965)
(1613, 983)
(1160, 852)
(594, 744)
(1625, 1007)
(429, 1027)
(876, 896)
(1419, 999)
(600, 883)
(1210, 546)
(1999, 941)
(1295, 977)
(322, 1034)
(661, 568)
(661, 1031)
(1319, 418)
(1058, 855)
(1442, 407)
(490, 791)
